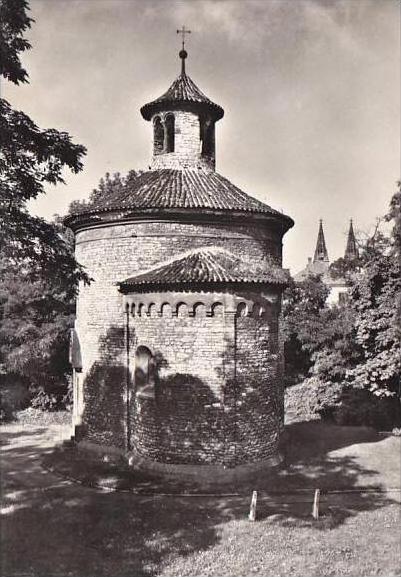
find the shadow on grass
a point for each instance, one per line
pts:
(52, 527)
(8, 437)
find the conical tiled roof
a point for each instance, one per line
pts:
(180, 189)
(205, 266)
(183, 93)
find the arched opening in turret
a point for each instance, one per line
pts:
(170, 133)
(158, 136)
(207, 137)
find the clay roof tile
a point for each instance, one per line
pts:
(207, 265)
(183, 91)
(189, 189)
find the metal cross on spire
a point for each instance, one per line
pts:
(183, 31)
(183, 53)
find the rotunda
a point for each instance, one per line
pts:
(180, 356)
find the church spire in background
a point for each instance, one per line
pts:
(351, 251)
(321, 250)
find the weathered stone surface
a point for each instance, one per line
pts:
(187, 151)
(191, 373)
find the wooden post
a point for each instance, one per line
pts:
(252, 512)
(315, 510)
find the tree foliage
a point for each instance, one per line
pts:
(14, 22)
(35, 318)
(30, 159)
(108, 186)
(376, 295)
(317, 336)
(302, 305)
(356, 344)
(36, 314)
(38, 272)
(343, 268)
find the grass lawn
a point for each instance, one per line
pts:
(282, 544)
(52, 527)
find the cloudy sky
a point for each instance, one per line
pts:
(310, 90)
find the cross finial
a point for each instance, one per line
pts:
(183, 31)
(183, 53)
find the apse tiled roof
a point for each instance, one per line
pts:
(181, 189)
(182, 91)
(205, 266)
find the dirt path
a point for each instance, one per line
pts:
(21, 453)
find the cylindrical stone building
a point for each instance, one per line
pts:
(178, 332)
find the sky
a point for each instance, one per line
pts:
(310, 88)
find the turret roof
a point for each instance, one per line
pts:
(207, 265)
(182, 93)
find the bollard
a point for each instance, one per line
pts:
(252, 512)
(315, 510)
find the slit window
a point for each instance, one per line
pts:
(170, 133)
(208, 138)
(158, 136)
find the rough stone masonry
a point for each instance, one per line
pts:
(179, 330)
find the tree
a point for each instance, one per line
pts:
(344, 268)
(30, 158)
(358, 343)
(319, 339)
(353, 350)
(38, 272)
(376, 294)
(35, 318)
(14, 22)
(108, 186)
(302, 305)
(36, 314)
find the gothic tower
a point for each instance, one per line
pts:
(351, 250)
(321, 254)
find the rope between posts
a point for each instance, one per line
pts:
(97, 486)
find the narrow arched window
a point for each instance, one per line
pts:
(170, 133)
(158, 136)
(208, 138)
(144, 372)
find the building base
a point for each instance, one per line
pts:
(201, 474)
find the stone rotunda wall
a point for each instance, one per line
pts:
(225, 410)
(111, 253)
